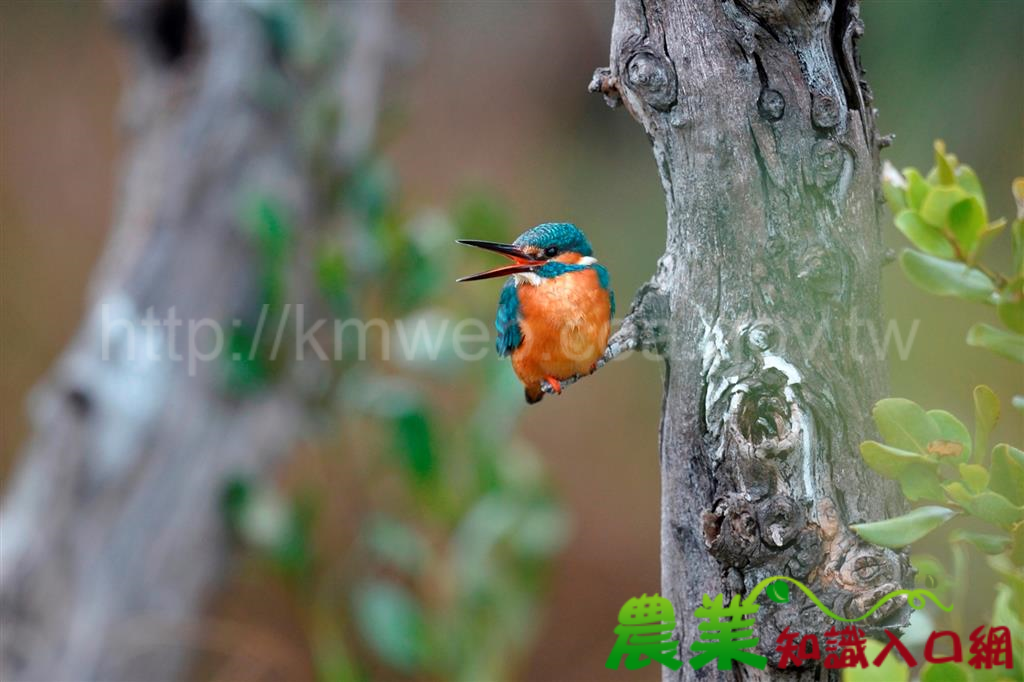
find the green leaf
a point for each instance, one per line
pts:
(986, 414)
(954, 442)
(975, 476)
(396, 544)
(889, 461)
(234, 499)
(917, 188)
(1006, 611)
(778, 592)
(542, 531)
(490, 520)
(1013, 577)
(921, 482)
(1017, 246)
(1011, 308)
(1016, 556)
(893, 669)
(989, 543)
(924, 236)
(967, 220)
(968, 179)
(945, 164)
(265, 220)
(935, 209)
(267, 521)
(946, 278)
(1008, 473)
(249, 364)
(987, 506)
(905, 425)
(415, 444)
(943, 672)
(391, 621)
(1007, 344)
(903, 530)
(332, 277)
(370, 192)
(917, 441)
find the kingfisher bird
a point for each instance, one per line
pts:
(555, 310)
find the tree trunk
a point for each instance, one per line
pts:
(112, 533)
(765, 304)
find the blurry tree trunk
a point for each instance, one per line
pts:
(765, 305)
(112, 534)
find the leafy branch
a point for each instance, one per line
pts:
(930, 453)
(944, 214)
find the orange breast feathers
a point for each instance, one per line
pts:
(565, 322)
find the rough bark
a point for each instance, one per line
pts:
(112, 534)
(763, 304)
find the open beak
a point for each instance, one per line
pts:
(522, 262)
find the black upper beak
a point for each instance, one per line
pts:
(523, 262)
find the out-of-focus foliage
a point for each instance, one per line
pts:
(442, 577)
(932, 455)
(944, 215)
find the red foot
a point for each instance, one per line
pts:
(593, 368)
(556, 385)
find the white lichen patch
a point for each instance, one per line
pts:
(773, 361)
(714, 349)
(714, 356)
(803, 425)
(801, 422)
(120, 367)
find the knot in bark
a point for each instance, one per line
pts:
(762, 336)
(826, 163)
(820, 270)
(781, 519)
(771, 104)
(741, 533)
(653, 78)
(867, 574)
(824, 110)
(731, 531)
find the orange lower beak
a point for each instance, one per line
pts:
(522, 262)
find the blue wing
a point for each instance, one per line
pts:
(605, 281)
(510, 336)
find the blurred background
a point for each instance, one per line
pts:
(492, 123)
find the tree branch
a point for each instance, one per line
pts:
(112, 531)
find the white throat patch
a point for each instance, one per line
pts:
(530, 278)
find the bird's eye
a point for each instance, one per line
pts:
(551, 251)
